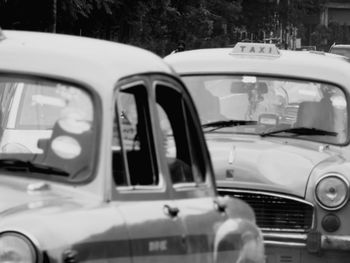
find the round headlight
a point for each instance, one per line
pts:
(15, 248)
(332, 192)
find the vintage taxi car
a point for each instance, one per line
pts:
(277, 126)
(85, 172)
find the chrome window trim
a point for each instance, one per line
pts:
(186, 185)
(135, 189)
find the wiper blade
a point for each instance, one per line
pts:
(300, 131)
(227, 123)
(15, 165)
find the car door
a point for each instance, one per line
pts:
(189, 167)
(142, 191)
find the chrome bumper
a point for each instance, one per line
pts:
(285, 239)
(314, 241)
(335, 242)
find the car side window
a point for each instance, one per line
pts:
(184, 162)
(133, 147)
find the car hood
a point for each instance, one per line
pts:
(18, 194)
(268, 164)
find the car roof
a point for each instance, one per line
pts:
(76, 58)
(340, 46)
(294, 64)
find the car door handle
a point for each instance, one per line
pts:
(171, 210)
(220, 205)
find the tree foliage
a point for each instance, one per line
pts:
(323, 37)
(159, 24)
(39, 15)
(156, 25)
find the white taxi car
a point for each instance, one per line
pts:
(340, 49)
(85, 172)
(277, 126)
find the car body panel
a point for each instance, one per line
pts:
(258, 163)
(80, 53)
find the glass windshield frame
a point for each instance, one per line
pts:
(226, 129)
(96, 103)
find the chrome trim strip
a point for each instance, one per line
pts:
(301, 237)
(284, 244)
(280, 230)
(285, 240)
(266, 193)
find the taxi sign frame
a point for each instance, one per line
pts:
(255, 49)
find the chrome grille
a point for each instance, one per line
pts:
(277, 213)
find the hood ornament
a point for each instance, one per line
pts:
(323, 148)
(231, 159)
(38, 187)
(232, 155)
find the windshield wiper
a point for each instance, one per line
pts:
(227, 123)
(300, 131)
(16, 165)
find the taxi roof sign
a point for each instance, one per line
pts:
(255, 49)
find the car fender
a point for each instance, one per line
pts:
(87, 233)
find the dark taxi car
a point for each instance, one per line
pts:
(277, 126)
(102, 159)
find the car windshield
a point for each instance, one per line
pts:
(270, 106)
(46, 129)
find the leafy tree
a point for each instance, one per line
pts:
(159, 24)
(153, 24)
(25, 15)
(39, 15)
(319, 37)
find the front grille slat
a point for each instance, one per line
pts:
(277, 212)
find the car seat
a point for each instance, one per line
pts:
(316, 114)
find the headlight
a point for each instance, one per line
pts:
(332, 192)
(15, 248)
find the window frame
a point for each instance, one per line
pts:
(136, 189)
(189, 189)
